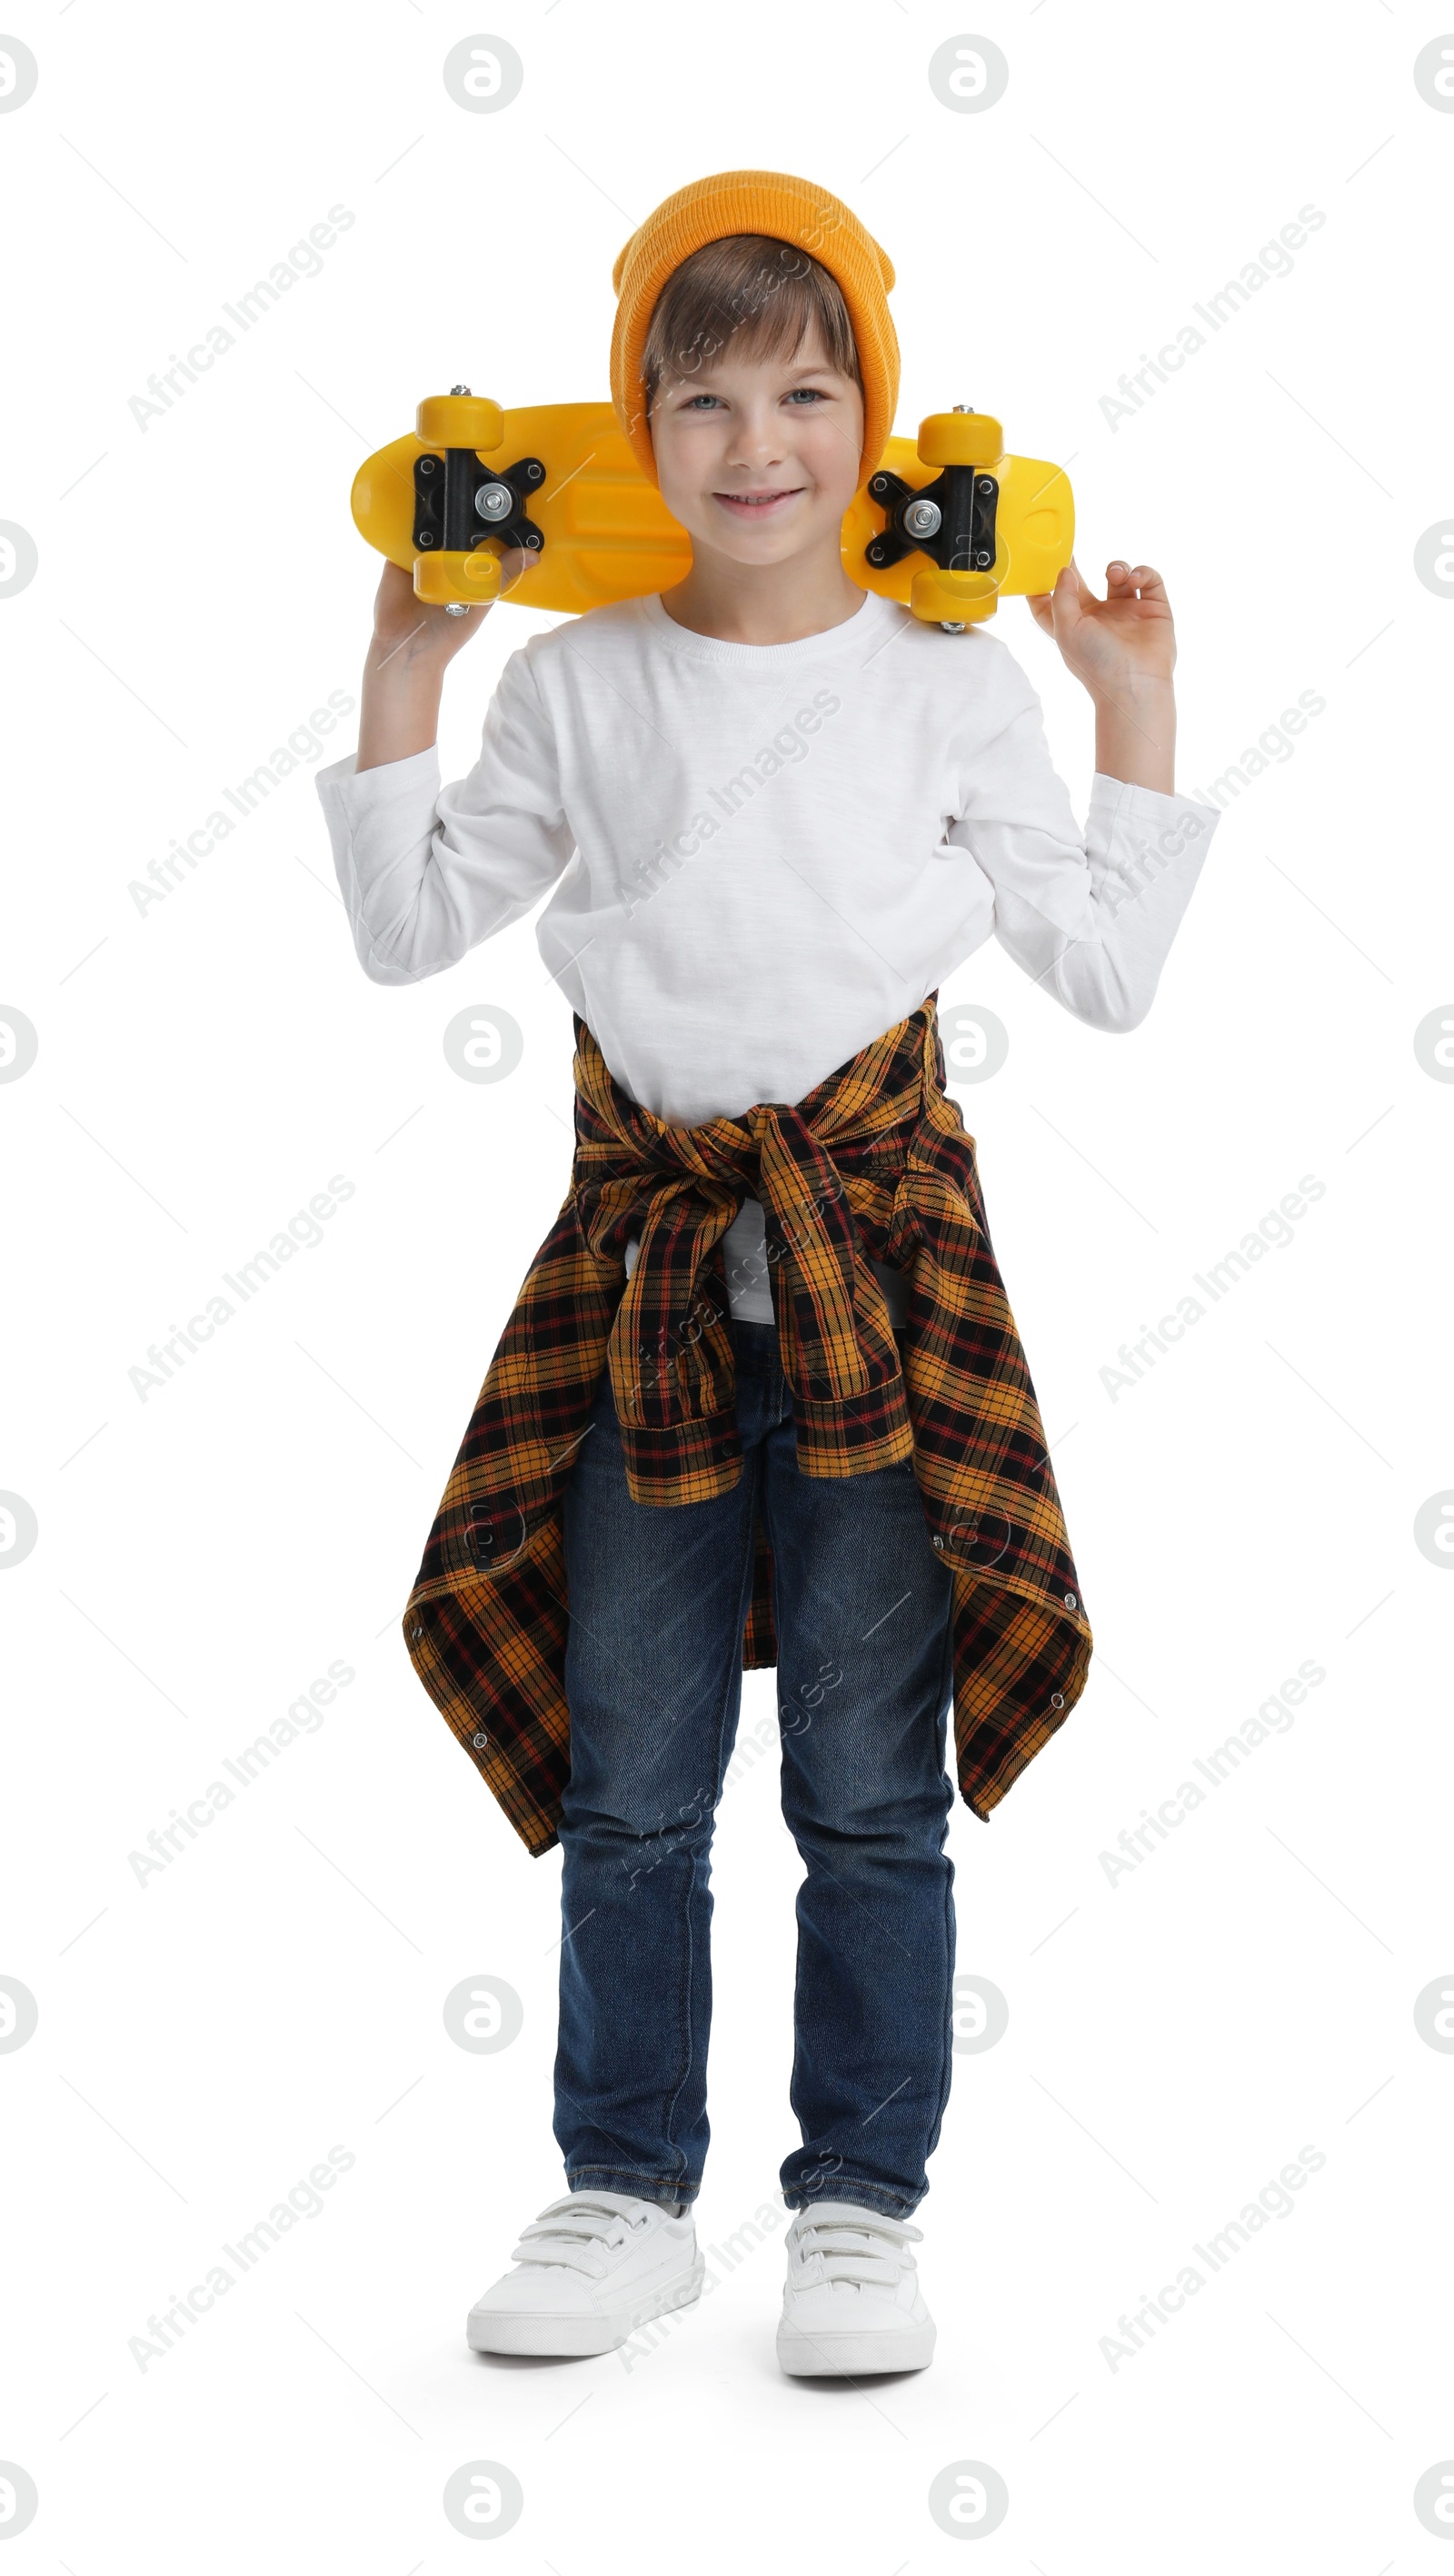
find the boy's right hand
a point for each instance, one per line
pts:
(412, 648)
(414, 630)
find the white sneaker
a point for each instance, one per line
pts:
(592, 2268)
(852, 2304)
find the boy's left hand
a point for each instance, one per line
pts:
(1114, 645)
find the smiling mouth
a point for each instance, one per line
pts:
(755, 500)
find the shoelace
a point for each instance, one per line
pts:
(846, 2258)
(574, 2232)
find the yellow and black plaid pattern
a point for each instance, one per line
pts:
(874, 1165)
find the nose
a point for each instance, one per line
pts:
(757, 440)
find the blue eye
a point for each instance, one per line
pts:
(813, 394)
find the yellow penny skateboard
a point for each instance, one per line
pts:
(947, 524)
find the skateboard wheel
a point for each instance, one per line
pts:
(953, 598)
(459, 420)
(445, 578)
(960, 438)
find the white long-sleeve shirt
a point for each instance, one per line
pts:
(762, 855)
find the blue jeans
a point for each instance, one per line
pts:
(658, 1596)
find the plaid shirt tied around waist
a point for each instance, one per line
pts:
(873, 1165)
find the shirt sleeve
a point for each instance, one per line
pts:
(427, 872)
(1090, 916)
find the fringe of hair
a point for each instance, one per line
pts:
(761, 293)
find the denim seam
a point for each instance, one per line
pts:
(730, 1671)
(617, 2177)
(684, 2013)
(946, 1687)
(872, 2195)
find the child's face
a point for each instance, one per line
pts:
(740, 428)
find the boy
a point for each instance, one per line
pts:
(761, 1397)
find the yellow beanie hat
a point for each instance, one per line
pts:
(790, 210)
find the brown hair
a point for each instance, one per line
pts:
(767, 294)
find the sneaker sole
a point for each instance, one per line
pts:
(855, 2356)
(522, 2330)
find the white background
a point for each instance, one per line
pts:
(206, 1065)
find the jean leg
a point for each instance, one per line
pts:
(658, 1595)
(865, 1640)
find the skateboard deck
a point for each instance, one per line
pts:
(948, 523)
